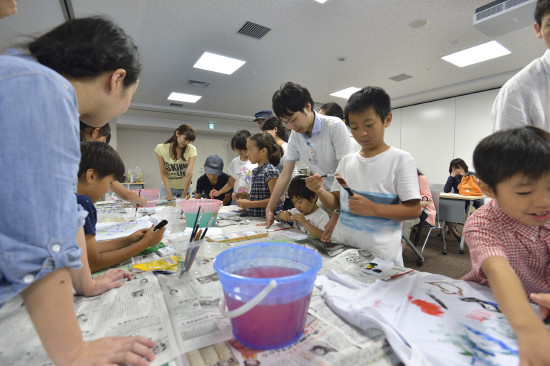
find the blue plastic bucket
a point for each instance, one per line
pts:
(282, 276)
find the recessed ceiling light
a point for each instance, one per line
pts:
(222, 64)
(480, 53)
(187, 98)
(345, 93)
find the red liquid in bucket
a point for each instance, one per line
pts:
(269, 326)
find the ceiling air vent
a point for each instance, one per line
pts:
(176, 105)
(504, 16)
(400, 77)
(198, 84)
(253, 30)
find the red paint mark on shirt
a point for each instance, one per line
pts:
(427, 307)
(479, 315)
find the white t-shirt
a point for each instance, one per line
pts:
(387, 178)
(317, 218)
(241, 171)
(525, 99)
(328, 144)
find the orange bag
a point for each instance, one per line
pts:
(468, 186)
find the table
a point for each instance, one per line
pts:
(454, 207)
(182, 315)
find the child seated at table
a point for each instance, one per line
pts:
(382, 180)
(264, 151)
(509, 237)
(212, 179)
(100, 165)
(308, 217)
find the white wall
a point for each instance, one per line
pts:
(434, 133)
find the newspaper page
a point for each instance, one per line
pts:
(193, 305)
(137, 308)
(352, 262)
(320, 345)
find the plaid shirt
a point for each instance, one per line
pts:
(490, 232)
(260, 190)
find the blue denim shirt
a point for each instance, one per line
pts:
(39, 157)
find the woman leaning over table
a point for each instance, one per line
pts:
(86, 68)
(176, 158)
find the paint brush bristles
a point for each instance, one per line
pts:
(344, 185)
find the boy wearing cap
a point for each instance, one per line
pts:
(261, 116)
(213, 178)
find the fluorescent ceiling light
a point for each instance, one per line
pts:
(480, 53)
(321, 1)
(345, 93)
(187, 98)
(212, 62)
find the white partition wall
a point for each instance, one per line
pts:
(427, 133)
(392, 135)
(472, 123)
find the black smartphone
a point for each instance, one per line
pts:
(160, 225)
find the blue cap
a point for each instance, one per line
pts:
(263, 114)
(213, 165)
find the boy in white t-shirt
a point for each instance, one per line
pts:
(383, 181)
(239, 170)
(308, 217)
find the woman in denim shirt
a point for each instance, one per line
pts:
(85, 68)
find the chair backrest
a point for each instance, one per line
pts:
(435, 197)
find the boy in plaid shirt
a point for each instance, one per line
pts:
(509, 237)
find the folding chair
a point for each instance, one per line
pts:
(438, 225)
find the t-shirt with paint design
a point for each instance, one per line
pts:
(176, 168)
(241, 171)
(387, 178)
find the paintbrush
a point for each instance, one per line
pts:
(139, 195)
(208, 225)
(322, 176)
(344, 185)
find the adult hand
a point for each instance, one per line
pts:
(107, 281)
(315, 182)
(360, 205)
(269, 217)
(169, 195)
(134, 350)
(329, 227)
(544, 303)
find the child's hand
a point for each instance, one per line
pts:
(214, 193)
(240, 195)
(284, 216)
(141, 201)
(243, 203)
(315, 182)
(169, 195)
(107, 281)
(152, 237)
(298, 217)
(136, 236)
(544, 303)
(360, 205)
(134, 350)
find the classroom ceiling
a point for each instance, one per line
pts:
(305, 44)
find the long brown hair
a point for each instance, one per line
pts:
(185, 130)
